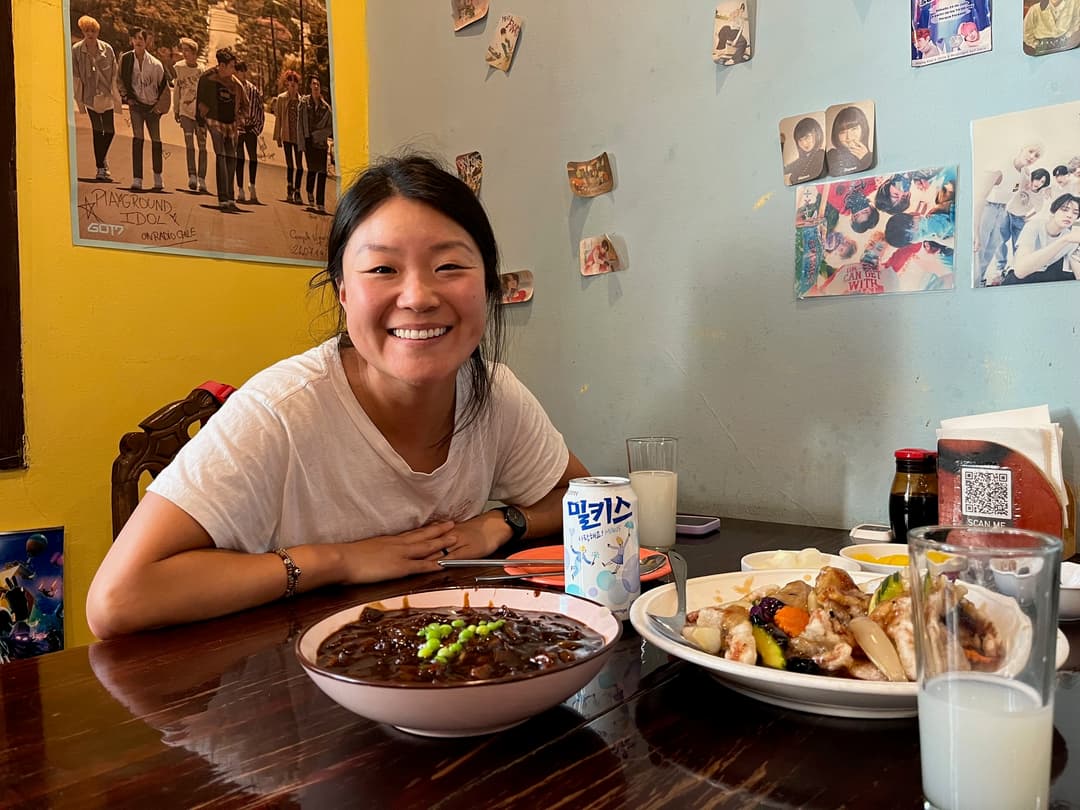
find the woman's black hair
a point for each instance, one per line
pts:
(809, 126)
(847, 118)
(422, 179)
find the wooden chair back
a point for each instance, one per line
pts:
(150, 450)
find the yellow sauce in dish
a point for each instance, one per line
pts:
(896, 559)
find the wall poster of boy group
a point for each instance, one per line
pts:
(886, 234)
(201, 129)
(1026, 196)
(31, 593)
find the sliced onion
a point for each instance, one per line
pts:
(878, 647)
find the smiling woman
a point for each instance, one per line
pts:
(368, 457)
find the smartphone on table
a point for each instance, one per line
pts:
(696, 524)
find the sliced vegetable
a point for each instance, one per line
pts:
(708, 638)
(768, 647)
(764, 610)
(791, 620)
(890, 588)
(878, 647)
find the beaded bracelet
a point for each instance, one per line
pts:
(292, 572)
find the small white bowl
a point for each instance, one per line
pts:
(766, 561)
(875, 550)
(1069, 604)
(1016, 577)
(465, 709)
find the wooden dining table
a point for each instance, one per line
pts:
(220, 714)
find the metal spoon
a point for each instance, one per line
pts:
(652, 562)
(672, 626)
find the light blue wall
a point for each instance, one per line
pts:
(786, 410)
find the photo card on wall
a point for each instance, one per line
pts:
(850, 129)
(1051, 26)
(517, 287)
(500, 52)
(597, 255)
(590, 178)
(802, 147)
(470, 168)
(731, 33)
(466, 12)
(891, 233)
(948, 30)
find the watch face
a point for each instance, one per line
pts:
(515, 518)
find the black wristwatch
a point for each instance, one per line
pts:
(515, 519)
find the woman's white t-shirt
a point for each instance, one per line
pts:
(292, 458)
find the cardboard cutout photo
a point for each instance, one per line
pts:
(517, 287)
(850, 128)
(802, 147)
(948, 29)
(590, 178)
(886, 234)
(1026, 197)
(731, 33)
(211, 134)
(597, 255)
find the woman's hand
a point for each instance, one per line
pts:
(397, 555)
(476, 538)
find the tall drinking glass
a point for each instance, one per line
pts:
(984, 605)
(654, 479)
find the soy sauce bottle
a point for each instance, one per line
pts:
(913, 499)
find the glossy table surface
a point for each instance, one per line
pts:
(220, 714)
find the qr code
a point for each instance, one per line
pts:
(986, 492)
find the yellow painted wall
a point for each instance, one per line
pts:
(109, 335)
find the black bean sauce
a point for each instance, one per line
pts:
(384, 645)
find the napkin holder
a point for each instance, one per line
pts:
(983, 483)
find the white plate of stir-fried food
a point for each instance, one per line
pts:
(829, 642)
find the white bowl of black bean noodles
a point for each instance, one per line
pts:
(458, 661)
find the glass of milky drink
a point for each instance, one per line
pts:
(984, 606)
(654, 479)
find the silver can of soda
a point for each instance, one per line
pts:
(600, 542)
